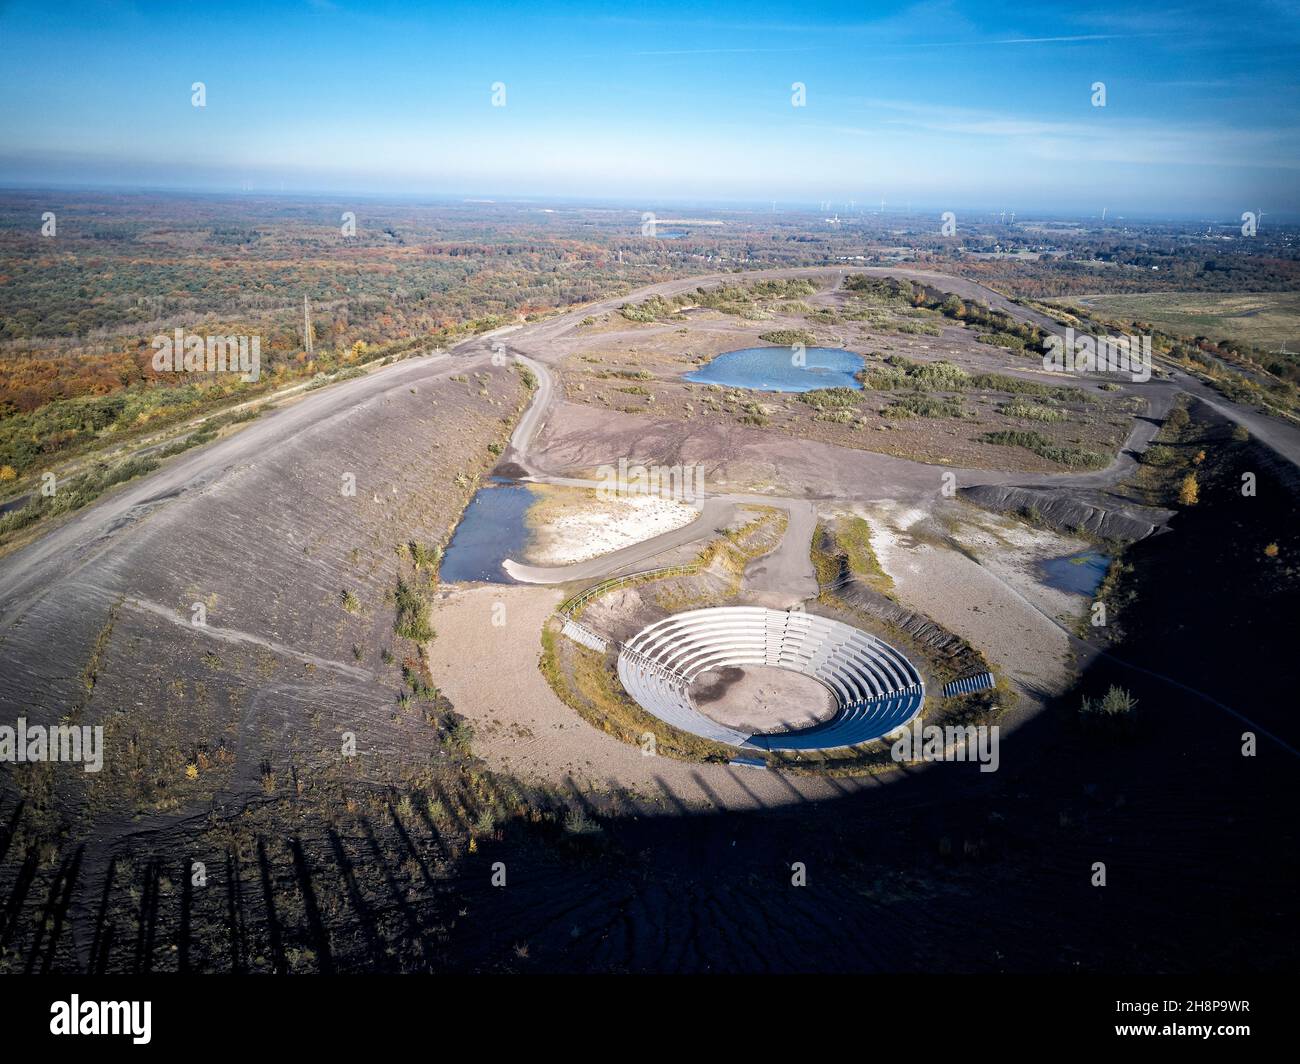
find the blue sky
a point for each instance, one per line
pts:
(955, 105)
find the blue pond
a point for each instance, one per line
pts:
(1077, 573)
(770, 369)
(491, 530)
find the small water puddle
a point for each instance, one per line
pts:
(1079, 574)
(491, 530)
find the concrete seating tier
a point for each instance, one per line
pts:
(876, 689)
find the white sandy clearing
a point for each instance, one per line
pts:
(1012, 551)
(974, 602)
(578, 530)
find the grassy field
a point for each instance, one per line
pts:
(1266, 319)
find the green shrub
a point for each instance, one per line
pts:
(653, 309)
(73, 493)
(423, 557)
(789, 337)
(1001, 339)
(1000, 382)
(412, 620)
(924, 406)
(461, 734)
(826, 398)
(1116, 709)
(1032, 411)
(1159, 455)
(577, 822)
(420, 687)
(901, 372)
(837, 417)
(1043, 447)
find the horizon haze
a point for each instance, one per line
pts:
(1174, 111)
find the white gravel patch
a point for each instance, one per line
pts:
(604, 525)
(985, 607)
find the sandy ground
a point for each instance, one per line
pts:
(757, 698)
(574, 526)
(1012, 550)
(1000, 621)
(489, 672)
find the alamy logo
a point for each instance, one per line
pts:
(102, 1017)
(192, 353)
(685, 483)
(64, 742)
(961, 742)
(1099, 354)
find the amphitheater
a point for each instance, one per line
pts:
(874, 687)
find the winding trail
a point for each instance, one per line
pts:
(788, 569)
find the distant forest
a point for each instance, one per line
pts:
(78, 308)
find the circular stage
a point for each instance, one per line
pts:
(872, 687)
